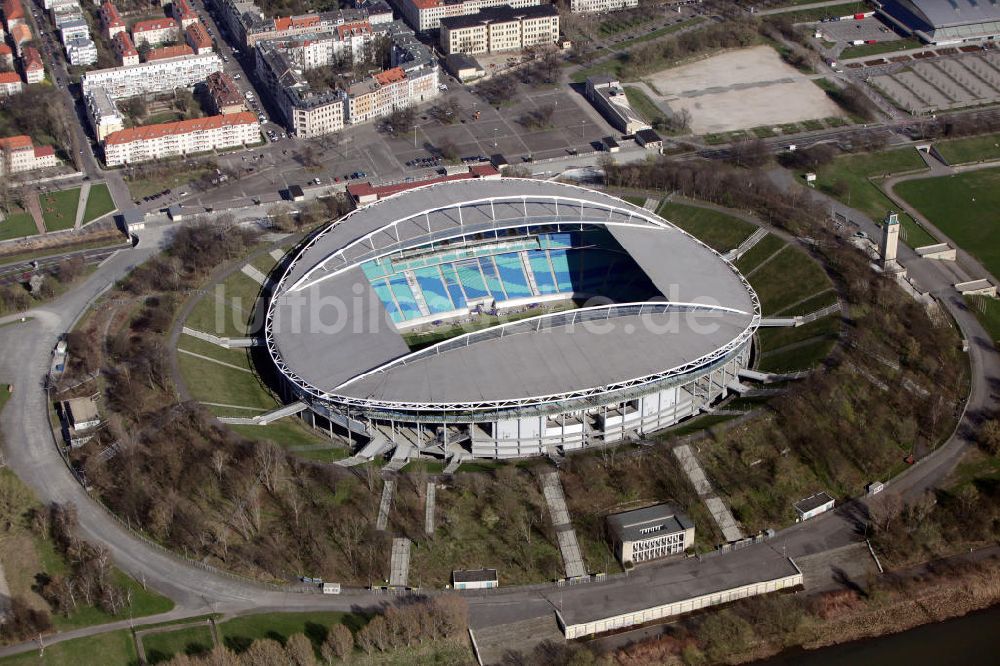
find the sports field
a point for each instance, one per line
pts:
(965, 208)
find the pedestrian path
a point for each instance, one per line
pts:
(429, 508)
(81, 204)
(388, 488)
(251, 271)
(720, 512)
(399, 563)
(566, 535)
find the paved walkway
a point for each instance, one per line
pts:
(383, 508)
(399, 563)
(566, 535)
(429, 507)
(251, 271)
(81, 206)
(35, 209)
(720, 512)
(214, 360)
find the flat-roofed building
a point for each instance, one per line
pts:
(463, 67)
(34, 69)
(198, 38)
(607, 94)
(500, 29)
(154, 32)
(81, 51)
(944, 21)
(150, 78)
(19, 154)
(588, 6)
(104, 116)
(475, 579)
(186, 137)
(650, 533)
(125, 50)
(813, 505)
(81, 413)
(426, 15)
(224, 94)
(111, 21)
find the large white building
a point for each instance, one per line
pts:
(18, 154)
(426, 15)
(154, 32)
(500, 29)
(587, 6)
(150, 78)
(186, 137)
(104, 116)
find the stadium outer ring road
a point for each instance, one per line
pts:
(503, 377)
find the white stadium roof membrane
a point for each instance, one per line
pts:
(352, 354)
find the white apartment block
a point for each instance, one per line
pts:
(81, 51)
(72, 29)
(187, 137)
(54, 4)
(18, 154)
(587, 6)
(500, 29)
(426, 15)
(104, 116)
(150, 78)
(390, 90)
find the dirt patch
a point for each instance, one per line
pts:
(741, 89)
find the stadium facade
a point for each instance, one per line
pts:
(623, 324)
(943, 22)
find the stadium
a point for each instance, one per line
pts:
(943, 22)
(506, 318)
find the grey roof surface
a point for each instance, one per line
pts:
(501, 14)
(326, 356)
(814, 502)
(627, 524)
(944, 13)
(670, 583)
(474, 575)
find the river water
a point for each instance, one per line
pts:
(971, 640)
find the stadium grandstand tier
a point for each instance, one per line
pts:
(622, 324)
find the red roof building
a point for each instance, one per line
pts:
(7, 55)
(34, 69)
(21, 34)
(111, 21)
(366, 192)
(183, 12)
(13, 13)
(127, 54)
(198, 39)
(175, 51)
(154, 31)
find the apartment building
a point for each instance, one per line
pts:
(150, 78)
(104, 116)
(74, 29)
(183, 13)
(31, 63)
(500, 29)
(255, 31)
(588, 6)
(10, 83)
(13, 14)
(426, 15)
(127, 54)
(154, 32)
(18, 154)
(650, 533)
(111, 21)
(198, 39)
(20, 34)
(186, 137)
(305, 112)
(6, 55)
(165, 52)
(81, 51)
(224, 94)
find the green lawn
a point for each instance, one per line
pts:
(59, 208)
(864, 50)
(847, 179)
(788, 278)
(238, 633)
(775, 338)
(99, 202)
(115, 648)
(719, 231)
(160, 647)
(226, 312)
(764, 248)
(697, 423)
(970, 149)
(211, 382)
(987, 311)
(17, 225)
(144, 602)
(811, 304)
(642, 104)
(798, 358)
(964, 207)
(289, 431)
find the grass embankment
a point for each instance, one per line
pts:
(227, 310)
(970, 149)
(964, 207)
(719, 231)
(162, 646)
(59, 208)
(17, 225)
(879, 48)
(987, 310)
(852, 179)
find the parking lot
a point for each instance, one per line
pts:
(938, 83)
(848, 31)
